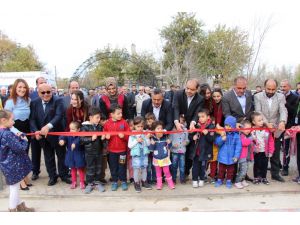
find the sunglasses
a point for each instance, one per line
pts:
(45, 92)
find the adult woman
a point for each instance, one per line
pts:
(78, 110)
(217, 106)
(19, 104)
(205, 91)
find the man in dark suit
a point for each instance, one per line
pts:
(161, 108)
(73, 86)
(46, 114)
(187, 102)
(238, 102)
(169, 94)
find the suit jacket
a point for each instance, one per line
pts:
(274, 114)
(291, 105)
(165, 112)
(232, 107)
(180, 106)
(53, 114)
(66, 101)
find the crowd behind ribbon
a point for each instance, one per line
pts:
(219, 157)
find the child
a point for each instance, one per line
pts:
(117, 147)
(129, 158)
(104, 153)
(213, 163)
(74, 155)
(230, 147)
(263, 149)
(246, 155)
(151, 174)
(201, 148)
(161, 160)
(14, 161)
(139, 151)
(178, 149)
(93, 147)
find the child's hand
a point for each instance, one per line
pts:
(107, 136)
(73, 146)
(224, 137)
(270, 155)
(121, 135)
(140, 140)
(148, 135)
(152, 142)
(23, 137)
(185, 143)
(94, 137)
(168, 141)
(234, 159)
(61, 142)
(176, 145)
(102, 137)
(205, 131)
(195, 137)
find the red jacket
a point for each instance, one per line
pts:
(115, 143)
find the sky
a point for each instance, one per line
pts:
(65, 33)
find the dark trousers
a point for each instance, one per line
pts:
(228, 169)
(117, 166)
(198, 170)
(298, 153)
(103, 167)
(213, 168)
(260, 165)
(286, 154)
(93, 167)
(151, 172)
(36, 156)
(24, 127)
(188, 161)
(275, 159)
(49, 155)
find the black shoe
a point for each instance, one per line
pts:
(24, 189)
(278, 178)
(34, 177)
(66, 180)
(284, 173)
(29, 185)
(265, 181)
(131, 180)
(52, 181)
(137, 187)
(247, 178)
(146, 185)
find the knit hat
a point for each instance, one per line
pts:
(231, 121)
(110, 81)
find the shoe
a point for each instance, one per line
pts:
(146, 185)
(100, 188)
(137, 187)
(256, 181)
(12, 210)
(212, 180)
(66, 180)
(244, 183)
(228, 184)
(114, 186)
(278, 178)
(131, 180)
(170, 182)
(124, 186)
(239, 185)
(24, 189)
(88, 189)
(195, 184)
(265, 181)
(201, 183)
(284, 172)
(34, 177)
(82, 185)
(247, 178)
(73, 185)
(23, 208)
(52, 181)
(183, 182)
(103, 181)
(29, 185)
(218, 183)
(296, 179)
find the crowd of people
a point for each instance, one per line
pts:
(147, 135)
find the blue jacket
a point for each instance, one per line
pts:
(182, 139)
(138, 149)
(14, 161)
(160, 148)
(74, 158)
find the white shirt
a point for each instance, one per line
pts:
(242, 101)
(156, 111)
(189, 100)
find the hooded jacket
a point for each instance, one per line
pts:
(91, 147)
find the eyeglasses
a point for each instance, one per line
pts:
(45, 92)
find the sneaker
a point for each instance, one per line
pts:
(82, 185)
(73, 185)
(201, 183)
(256, 181)
(124, 186)
(88, 189)
(146, 185)
(100, 188)
(195, 184)
(137, 187)
(296, 179)
(239, 185)
(212, 181)
(244, 183)
(114, 186)
(182, 181)
(131, 180)
(218, 183)
(228, 184)
(265, 181)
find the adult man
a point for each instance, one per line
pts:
(292, 101)
(272, 105)
(73, 85)
(97, 96)
(169, 94)
(238, 102)
(297, 91)
(139, 98)
(161, 108)
(131, 101)
(3, 95)
(90, 97)
(187, 102)
(46, 114)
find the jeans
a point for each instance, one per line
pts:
(178, 160)
(151, 172)
(199, 169)
(243, 168)
(117, 166)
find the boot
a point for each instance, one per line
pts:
(170, 183)
(23, 208)
(12, 210)
(159, 183)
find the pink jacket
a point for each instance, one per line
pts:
(246, 141)
(269, 144)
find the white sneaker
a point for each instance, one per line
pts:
(239, 185)
(195, 184)
(201, 183)
(244, 183)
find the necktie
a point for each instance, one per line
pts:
(44, 105)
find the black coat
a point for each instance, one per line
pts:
(291, 105)
(91, 147)
(165, 113)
